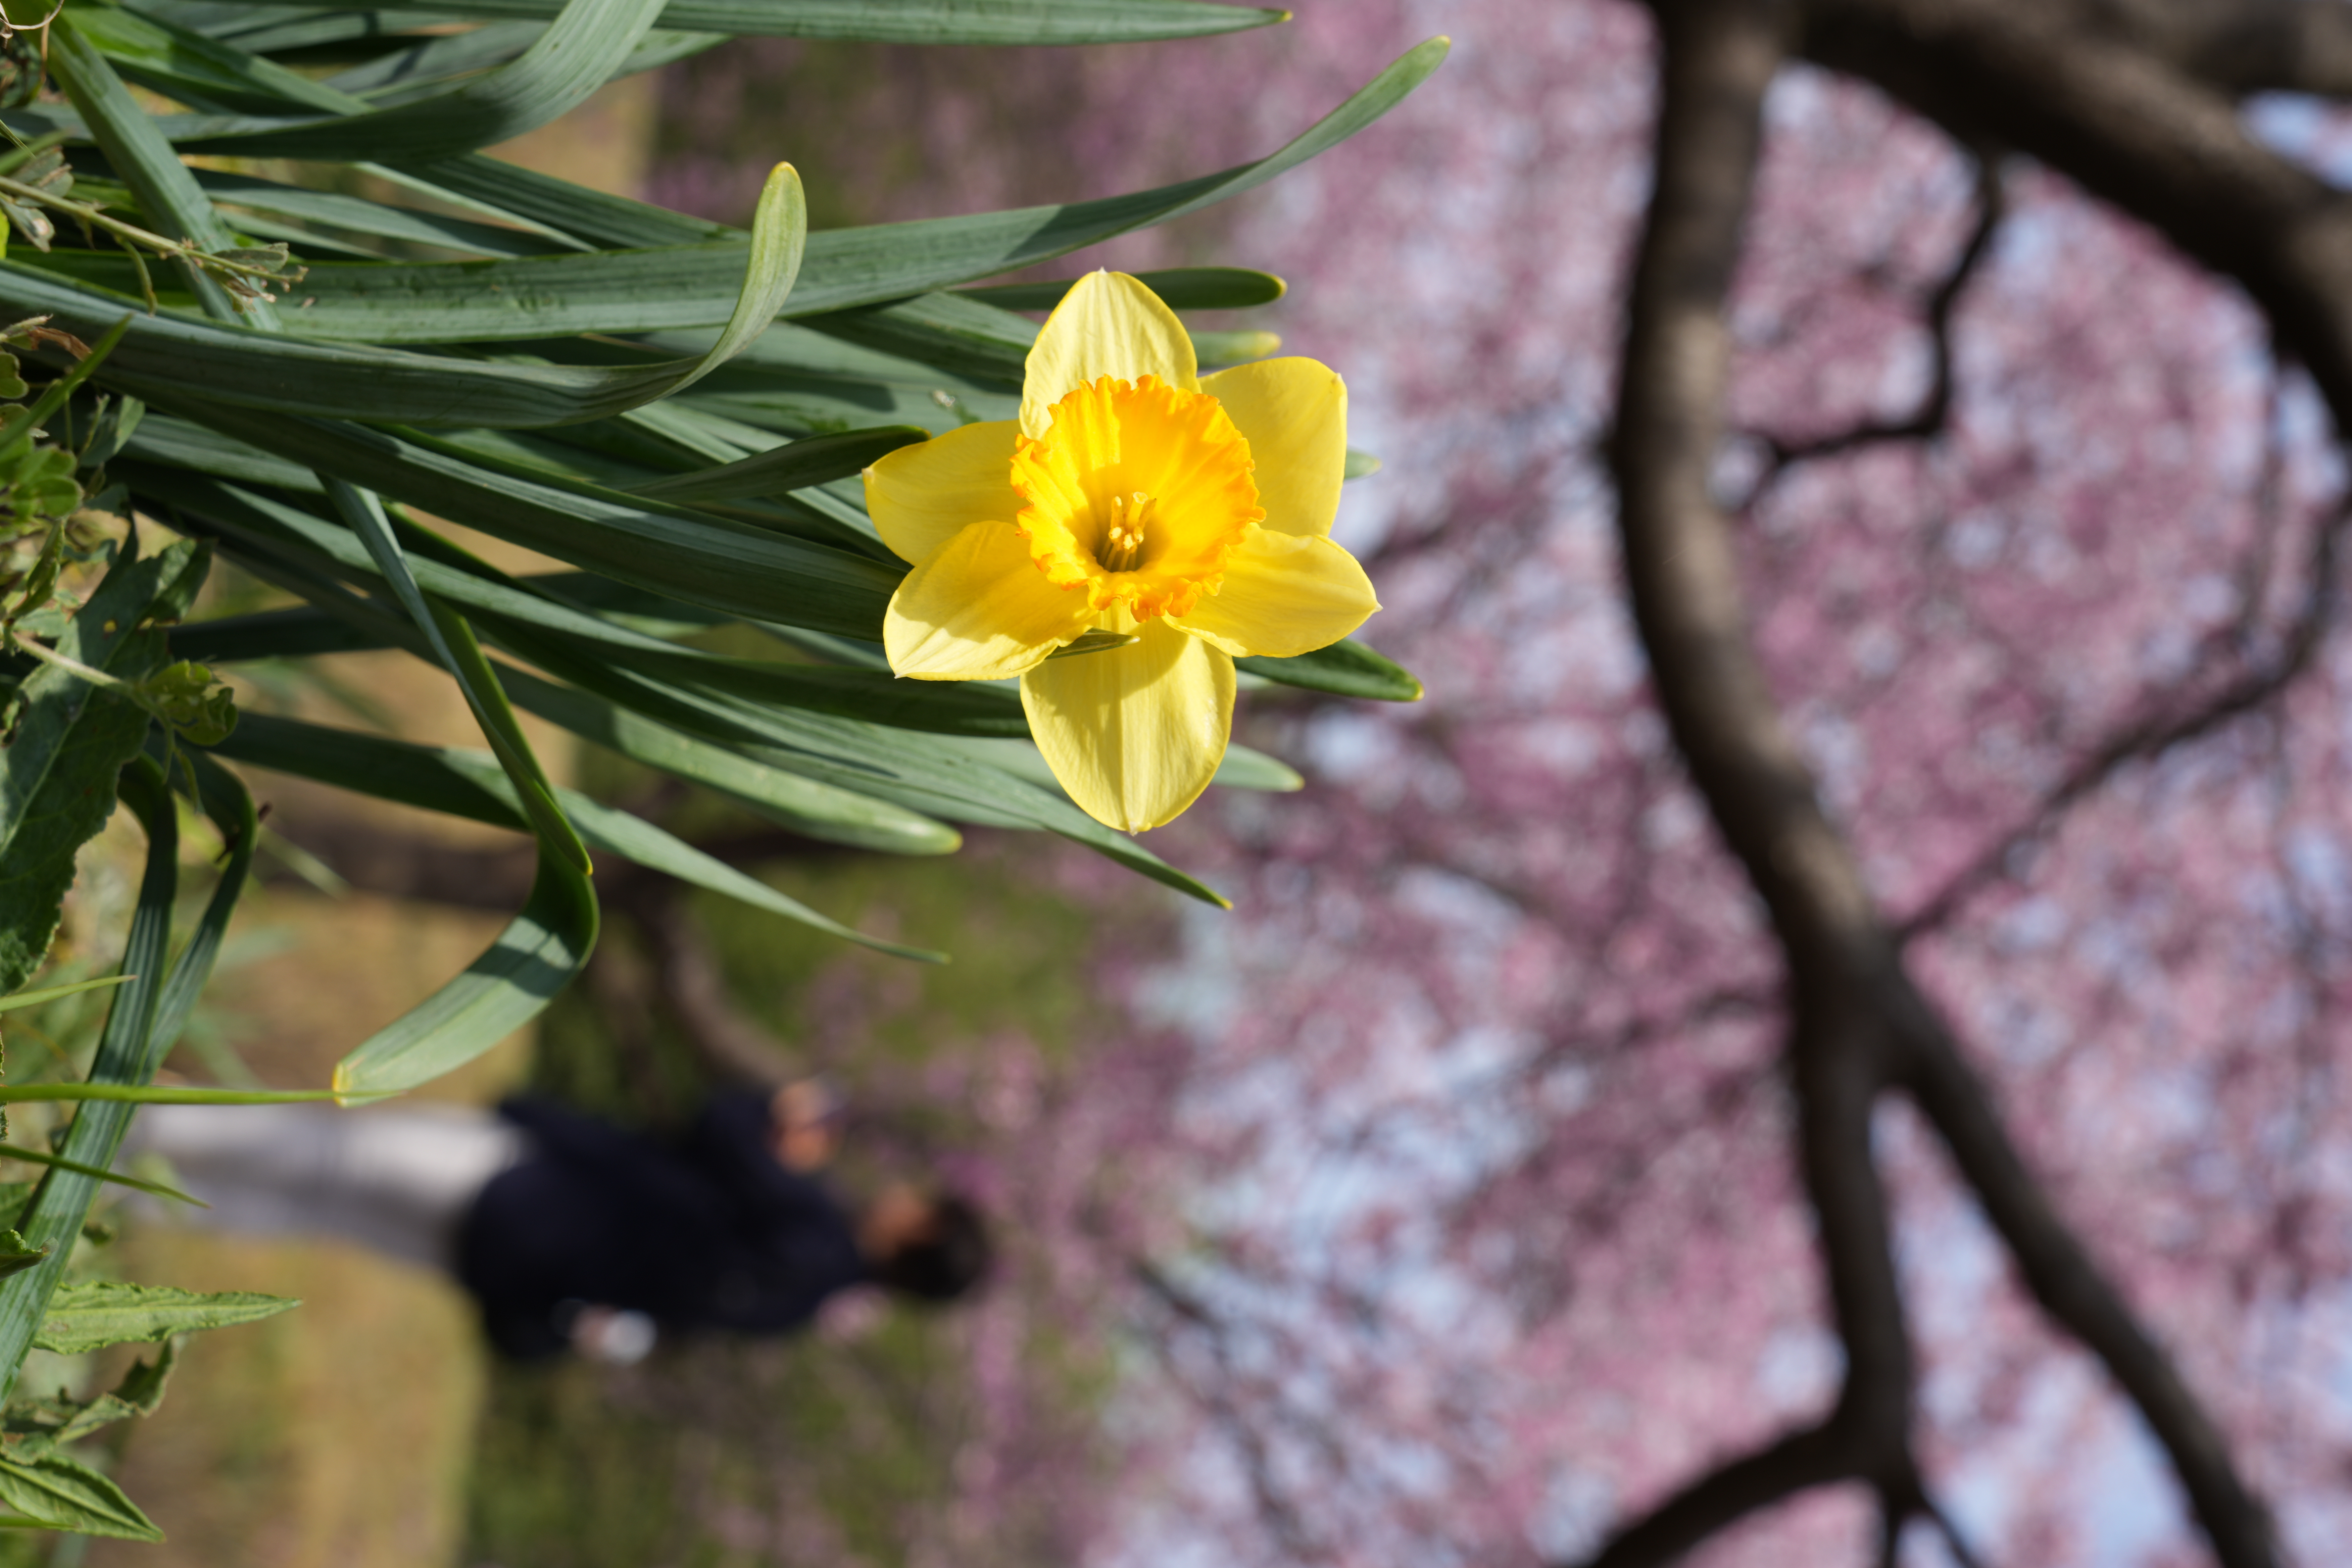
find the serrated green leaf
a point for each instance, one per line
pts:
(95, 1313)
(64, 1494)
(57, 776)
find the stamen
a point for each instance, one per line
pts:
(1122, 544)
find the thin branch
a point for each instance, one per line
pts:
(2075, 1294)
(1815, 1457)
(1928, 420)
(1720, 57)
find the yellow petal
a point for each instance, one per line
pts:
(977, 608)
(1108, 324)
(1294, 414)
(922, 496)
(1134, 735)
(1283, 595)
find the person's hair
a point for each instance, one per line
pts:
(952, 1255)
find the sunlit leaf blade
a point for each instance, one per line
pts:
(169, 357)
(1345, 668)
(471, 786)
(533, 959)
(95, 1313)
(452, 642)
(779, 240)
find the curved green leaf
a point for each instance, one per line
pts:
(586, 44)
(1345, 668)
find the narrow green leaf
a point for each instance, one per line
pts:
(96, 1313)
(453, 643)
(64, 1494)
(110, 1094)
(52, 992)
(585, 45)
(134, 144)
(740, 570)
(689, 285)
(811, 461)
(1360, 465)
(49, 1223)
(534, 958)
(1345, 668)
(470, 785)
(779, 240)
(58, 1162)
(1182, 289)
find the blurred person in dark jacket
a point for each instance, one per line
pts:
(573, 1232)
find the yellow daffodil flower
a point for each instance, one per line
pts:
(1133, 496)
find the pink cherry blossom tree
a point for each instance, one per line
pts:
(1823, 1034)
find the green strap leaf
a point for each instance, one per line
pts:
(509, 984)
(135, 145)
(453, 645)
(545, 946)
(96, 1313)
(690, 285)
(1181, 288)
(125, 1060)
(585, 47)
(811, 461)
(742, 572)
(470, 785)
